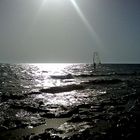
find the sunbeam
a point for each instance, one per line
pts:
(35, 18)
(86, 22)
(39, 10)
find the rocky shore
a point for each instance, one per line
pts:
(101, 107)
(110, 113)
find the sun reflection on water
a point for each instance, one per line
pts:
(45, 70)
(51, 67)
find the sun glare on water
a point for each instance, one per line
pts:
(46, 70)
(51, 66)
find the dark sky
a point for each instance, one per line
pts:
(69, 30)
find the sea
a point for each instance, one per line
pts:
(69, 101)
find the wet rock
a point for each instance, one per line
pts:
(123, 121)
(30, 137)
(111, 114)
(27, 105)
(50, 134)
(80, 118)
(22, 119)
(96, 108)
(54, 131)
(59, 112)
(28, 108)
(56, 137)
(74, 127)
(63, 88)
(34, 137)
(67, 131)
(104, 81)
(6, 97)
(3, 128)
(68, 76)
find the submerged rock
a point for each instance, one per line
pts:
(98, 108)
(63, 88)
(21, 119)
(68, 76)
(103, 81)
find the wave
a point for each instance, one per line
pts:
(107, 74)
(81, 86)
(72, 76)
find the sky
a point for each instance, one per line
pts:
(61, 31)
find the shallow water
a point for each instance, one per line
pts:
(34, 97)
(21, 132)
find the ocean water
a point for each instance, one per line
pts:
(34, 97)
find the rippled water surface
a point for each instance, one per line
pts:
(32, 94)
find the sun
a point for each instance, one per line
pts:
(54, 1)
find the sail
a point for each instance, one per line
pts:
(96, 58)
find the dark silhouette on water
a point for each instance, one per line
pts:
(96, 59)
